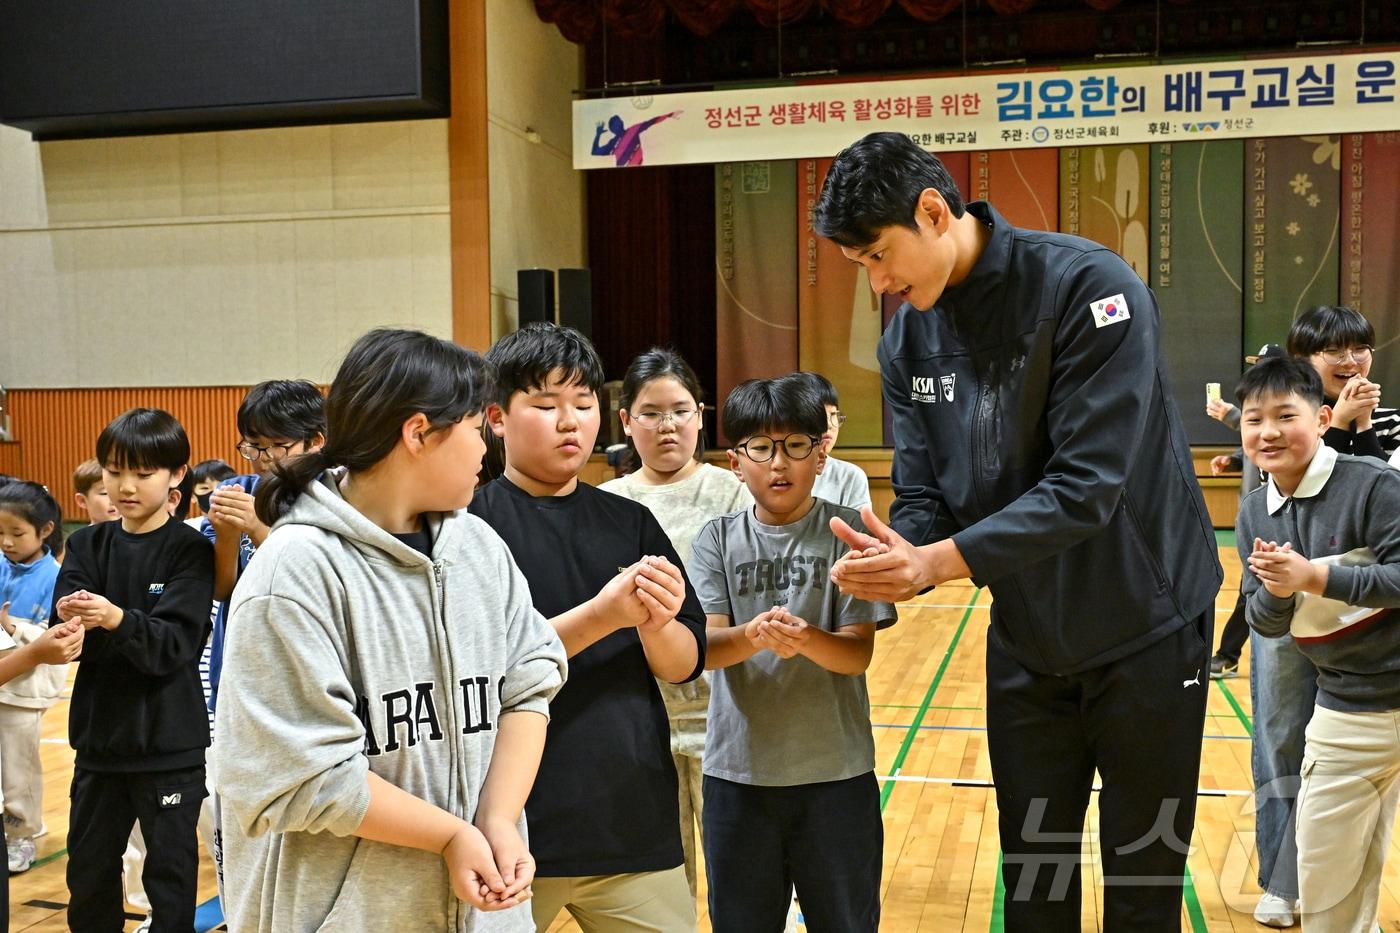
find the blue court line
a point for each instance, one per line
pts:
(208, 915)
(897, 725)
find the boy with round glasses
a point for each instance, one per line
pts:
(791, 799)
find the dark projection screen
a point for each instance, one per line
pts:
(76, 68)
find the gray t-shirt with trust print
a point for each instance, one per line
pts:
(776, 722)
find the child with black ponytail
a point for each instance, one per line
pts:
(31, 531)
(388, 679)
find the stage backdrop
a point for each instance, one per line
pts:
(1370, 247)
(1197, 204)
(1235, 237)
(755, 275)
(839, 319)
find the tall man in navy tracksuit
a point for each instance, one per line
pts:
(1039, 453)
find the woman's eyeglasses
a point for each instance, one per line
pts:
(651, 420)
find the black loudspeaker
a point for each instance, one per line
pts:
(576, 300)
(536, 288)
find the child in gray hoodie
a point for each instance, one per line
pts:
(387, 679)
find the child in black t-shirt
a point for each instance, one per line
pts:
(141, 587)
(603, 814)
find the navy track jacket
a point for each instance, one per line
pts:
(1035, 426)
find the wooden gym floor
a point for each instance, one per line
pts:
(941, 853)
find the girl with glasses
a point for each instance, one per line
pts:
(663, 415)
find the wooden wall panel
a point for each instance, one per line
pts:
(56, 429)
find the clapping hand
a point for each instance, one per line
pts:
(1284, 571)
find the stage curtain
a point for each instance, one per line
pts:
(929, 11)
(857, 14)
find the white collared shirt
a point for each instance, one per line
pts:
(1317, 474)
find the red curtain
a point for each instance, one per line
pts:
(702, 17)
(770, 13)
(634, 19)
(578, 20)
(857, 14)
(929, 11)
(1010, 7)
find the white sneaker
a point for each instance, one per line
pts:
(21, 854)
(1274, 911)
(145, 926)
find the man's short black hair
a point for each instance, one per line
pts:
(293, 409)
(824, 387)
(144, 438)
(1327, 327)
(875, 183)
(787, 404)
(1280, 376)
(524, 361)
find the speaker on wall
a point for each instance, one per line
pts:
(576, 300)
(536, 289)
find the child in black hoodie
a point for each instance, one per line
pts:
(141, 587)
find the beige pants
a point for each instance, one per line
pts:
(643, 902)
(1346, 809)
(689, 778)
(21, 770)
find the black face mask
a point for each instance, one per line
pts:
(203, 500)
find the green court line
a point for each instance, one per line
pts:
(998, 923)
(1225, 537)
(924, 707)
(1193, 905)
(41, 862)
(1235, 704)
(906, 706)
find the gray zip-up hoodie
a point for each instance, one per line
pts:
(350, 651)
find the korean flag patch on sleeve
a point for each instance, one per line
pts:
(1108, 311)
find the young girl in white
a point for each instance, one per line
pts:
(29, 516)
(386, 681)
(663, 414)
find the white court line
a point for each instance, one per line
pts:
(975, 782)
(944, 605)
(54, 741)
(988, 607)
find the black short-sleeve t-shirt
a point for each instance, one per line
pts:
(605, 799)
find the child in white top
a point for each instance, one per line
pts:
(663, 413)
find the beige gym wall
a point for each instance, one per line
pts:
(537, 198)
(225, 258)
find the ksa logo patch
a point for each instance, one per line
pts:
(924, 389)
(1108, 311)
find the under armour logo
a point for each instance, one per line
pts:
(1018, 362)
(170, 800)
(1193, 683)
